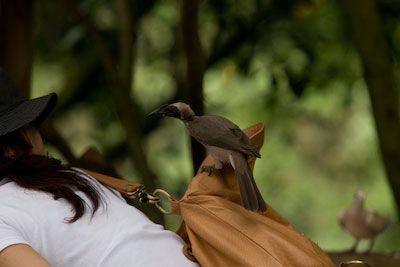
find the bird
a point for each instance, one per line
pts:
(361, 222)
(226, 143)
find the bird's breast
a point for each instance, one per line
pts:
(356, 224)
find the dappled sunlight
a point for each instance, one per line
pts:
(291, 65)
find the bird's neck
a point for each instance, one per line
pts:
(357, 204)
(188, 117)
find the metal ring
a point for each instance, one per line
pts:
(354, 263)
(133, 193)
(153, 198)
(162, 193)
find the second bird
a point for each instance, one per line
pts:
(226, 143)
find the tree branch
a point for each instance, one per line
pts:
(16, 19)
(125, 42)
(246, 31)
(97, 40)
(120, 79)
(195, 67)
(378, 73)
(53, 137)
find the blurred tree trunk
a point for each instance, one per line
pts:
(53, 137)
(127, 109)
(195, 67)
(378, 74)
(16, 56)
(16, 25)
(16, 20)
(119, 71)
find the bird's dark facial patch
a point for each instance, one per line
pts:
(172, 111)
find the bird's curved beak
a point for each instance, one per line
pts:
(160, 112)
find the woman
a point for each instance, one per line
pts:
(54, 215)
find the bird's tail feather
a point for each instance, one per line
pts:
(251, 196)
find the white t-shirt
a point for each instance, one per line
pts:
(117, 235)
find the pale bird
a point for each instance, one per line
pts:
(362, 223)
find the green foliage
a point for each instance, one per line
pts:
(295, 70)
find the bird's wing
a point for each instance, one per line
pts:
(341, 218)
(220, 132)
(376, 222)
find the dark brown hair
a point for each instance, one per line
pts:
(45, 174)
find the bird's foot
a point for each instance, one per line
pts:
(369, 249)
(207, 168)
(353, 249)
(350, 251)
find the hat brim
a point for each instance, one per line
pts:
(30, 111)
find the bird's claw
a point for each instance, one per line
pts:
(207, 168)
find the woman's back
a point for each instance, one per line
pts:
(116, 235)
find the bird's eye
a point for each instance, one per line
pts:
(173, 111)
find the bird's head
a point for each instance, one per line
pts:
(359, 196)
(177, 110)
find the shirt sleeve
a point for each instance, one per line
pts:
(9, 236)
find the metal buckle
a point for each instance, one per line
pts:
(142, 195)
(160, 193)
(358, 263)
(153, 198)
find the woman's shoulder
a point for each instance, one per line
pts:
(103, 189)
(18, 205)
(9, 187)
(15, 197)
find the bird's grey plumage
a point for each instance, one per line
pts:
(251, 196)
(226, 143)
(361, 222)
(218, 131)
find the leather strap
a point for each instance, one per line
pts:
(137, 191)
(123, 186)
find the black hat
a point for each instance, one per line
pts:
(17, 111)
